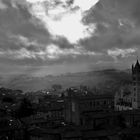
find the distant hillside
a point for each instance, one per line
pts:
(105, 80)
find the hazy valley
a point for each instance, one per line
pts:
(106, 80)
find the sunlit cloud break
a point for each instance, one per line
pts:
(2, 5)
(63, 19)
(52, 52)
(121, 52)
(22, 40)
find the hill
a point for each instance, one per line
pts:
(105, 80)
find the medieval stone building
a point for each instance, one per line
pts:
(128, 97)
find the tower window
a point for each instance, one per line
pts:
(134, 78)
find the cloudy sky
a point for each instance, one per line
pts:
(41, 37)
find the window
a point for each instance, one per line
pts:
(81, 121)
(90, 103)
(104, 102)
(134, 78)
(94, 103)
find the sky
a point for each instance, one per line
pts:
(41, 37)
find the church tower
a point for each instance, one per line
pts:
(136, 85)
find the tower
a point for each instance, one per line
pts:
(136, 85)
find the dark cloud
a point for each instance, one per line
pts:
(7, 2)
(17, 21)
(62, 42)
(117, 26)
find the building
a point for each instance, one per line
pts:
(123, 98)
(76, 107)
(112, 125)
(36, 133)
(11, 129)
(128, 97)
(65, 133)
(48, 114)
(136, 85)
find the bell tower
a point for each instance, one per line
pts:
(136, 85)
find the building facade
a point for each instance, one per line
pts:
(123, 99)
(136, 85)
(76, 107)
(128, 97)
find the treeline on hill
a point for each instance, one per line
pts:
(104, 81)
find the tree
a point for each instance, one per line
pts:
(8, 99)
(25, 109)
(56, 87)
